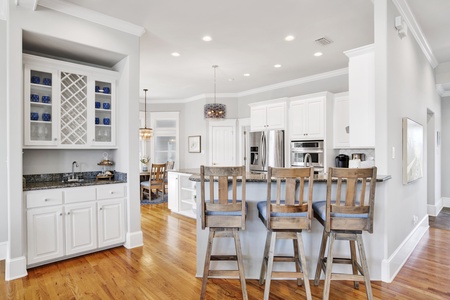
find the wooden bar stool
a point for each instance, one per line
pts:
(285, 219)
(224, 217)
(346, 219)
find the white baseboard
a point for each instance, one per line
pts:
(434, 210)
(391, 266)
(3, 247)
(445, 202)
(15, 268)
(134, 239)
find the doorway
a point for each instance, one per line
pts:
(433, 208)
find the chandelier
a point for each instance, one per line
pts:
(145, 133)
(215, 110)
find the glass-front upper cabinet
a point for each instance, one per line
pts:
(165, 141)
(104, 124)
(40, 111)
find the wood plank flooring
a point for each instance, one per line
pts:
(164, 268)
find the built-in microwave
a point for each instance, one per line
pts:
(299, 150)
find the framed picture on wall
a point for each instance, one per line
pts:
(194, 144)
(412, 150)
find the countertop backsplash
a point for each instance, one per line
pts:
(368, 152)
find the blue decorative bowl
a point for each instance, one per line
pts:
(97, 120)
(45, 99)
(47, 81)
(34, 98)
(106, 105)
(35, 79)
(97, 104)
(106, 90)
(106, 121)
(34, 116)
(46, 117)
(97, 88)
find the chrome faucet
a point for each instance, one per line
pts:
(72, 177)
(308, 158)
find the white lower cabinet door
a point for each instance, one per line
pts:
(81, 227)
(45, 234)
(111, 222)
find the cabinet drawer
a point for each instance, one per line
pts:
(79, 194)
(110, 191)
(44, 198)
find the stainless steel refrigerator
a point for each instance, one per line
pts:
(266, 149)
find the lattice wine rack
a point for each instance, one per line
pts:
(73, 109)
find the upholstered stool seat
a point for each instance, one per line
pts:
(285, 219)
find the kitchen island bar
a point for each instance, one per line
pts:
(254, 236)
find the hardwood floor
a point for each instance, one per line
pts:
(165, 269)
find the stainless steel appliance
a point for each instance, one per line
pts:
(341, 161)
(266, 149)
(299, 151)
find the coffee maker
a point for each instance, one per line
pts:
(341, 161)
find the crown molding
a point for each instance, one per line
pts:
(442, 91)
(290, 83)
(194, 98)
(360, 51)
(92, 16)
(414, 27)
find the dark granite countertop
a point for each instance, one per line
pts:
(59, 180)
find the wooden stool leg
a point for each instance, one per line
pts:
(319, 267)
(273, 239)
(207, 261)
(354, 262)
(298, 268)
(365, 267)
(240, 263)
(265, 259)
(329, 267)
(304, 267)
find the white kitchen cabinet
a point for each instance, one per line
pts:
(182, 194)
(61, 105)
(65, 222)
(307, 117)
(268, 115)
(341, 121)
(361, 81)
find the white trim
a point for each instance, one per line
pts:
(3, 9)
(414, 27)
(3, 249)
(134, 240)
(391, 266)
(15, 268)
(434, 210)
(442, 91)
(92, 16)
(445, 202)
(267, 88)
(367, 49)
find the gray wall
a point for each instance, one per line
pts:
(445, 145)
(3, 97)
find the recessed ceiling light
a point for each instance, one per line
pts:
(277, 66)
(230, 79)
(246, 74)
(207, 38)
(289, 38)
(318, 54)
(175, 54)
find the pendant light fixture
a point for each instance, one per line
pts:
(145, 133)
(215, 110)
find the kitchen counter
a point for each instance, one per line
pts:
(59, 180)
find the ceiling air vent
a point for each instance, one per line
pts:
(323, 41)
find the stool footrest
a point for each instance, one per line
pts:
(280, 275)
(224, 257)
(285, 259)
(351, 277)
(234, 273)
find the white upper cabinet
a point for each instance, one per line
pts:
(308, 116)
(361, 72)
(341, 121)
(268, 115)
(68, 105)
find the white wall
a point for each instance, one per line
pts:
(407, 79)
(3, 148)
(61, 26)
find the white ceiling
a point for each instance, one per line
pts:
(248, 37)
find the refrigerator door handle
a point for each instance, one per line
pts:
(263, 152)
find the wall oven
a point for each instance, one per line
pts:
(299, 149)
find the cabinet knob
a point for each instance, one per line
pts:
(60, 214)
(55, 139)
(46, 200)
(68, 213)
(101, 208)
(111, 192)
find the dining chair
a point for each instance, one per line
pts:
(155, 182)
